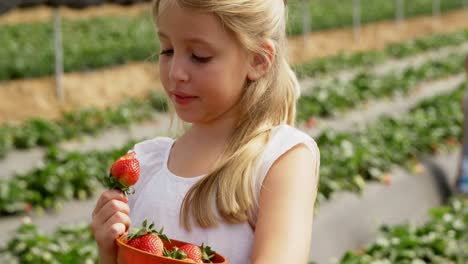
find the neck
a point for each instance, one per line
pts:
(216, 132)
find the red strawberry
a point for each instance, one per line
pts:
(198, 254)
(387, 179)
(310, 122)
(124, 172)
(148, 239)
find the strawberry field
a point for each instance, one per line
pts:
(379, 118)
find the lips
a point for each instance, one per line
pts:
(183, 98)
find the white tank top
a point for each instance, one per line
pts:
(159, 193)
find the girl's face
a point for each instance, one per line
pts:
(203, 67)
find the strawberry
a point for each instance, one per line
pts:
(124, 173)
(147, 239)
(310, 122)
(198, 254)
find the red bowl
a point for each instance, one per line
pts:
(127, 255)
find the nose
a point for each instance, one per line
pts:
(178, 72)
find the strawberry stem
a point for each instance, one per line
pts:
(175, 253)
(113, 183)
(207, 253)
(147, 230)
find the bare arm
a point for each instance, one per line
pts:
(284, 225)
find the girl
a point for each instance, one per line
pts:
(240, 179)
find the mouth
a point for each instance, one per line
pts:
(183, 99)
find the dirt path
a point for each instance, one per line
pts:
(45, 13)
(22, 99)
(36, 97)
(373, 36)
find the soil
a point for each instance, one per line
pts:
(22, 99)
(45, 13)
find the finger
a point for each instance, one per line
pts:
(110, 208)
(119, 224)
(116, 226)
(106, 197)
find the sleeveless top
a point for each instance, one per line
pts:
(159, 193)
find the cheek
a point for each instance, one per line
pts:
(164, 73)
(221, 87)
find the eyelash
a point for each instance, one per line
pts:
(198, 59)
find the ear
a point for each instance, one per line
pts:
(260, 64)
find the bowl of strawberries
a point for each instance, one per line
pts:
(148, 246)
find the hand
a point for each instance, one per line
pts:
(110, 220)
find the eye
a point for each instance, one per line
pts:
(167, 52)
(200, 59)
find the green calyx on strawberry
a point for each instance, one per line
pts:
(147, 239)
(175, 253)
(124, 173)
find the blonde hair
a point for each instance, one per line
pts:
(266, 102)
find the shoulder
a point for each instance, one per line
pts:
(151, 150)
(286, 137)
(292, 148)
(284, 140)
(151, 155)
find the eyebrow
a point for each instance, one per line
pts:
(191, 39)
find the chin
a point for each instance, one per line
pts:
(187, 117)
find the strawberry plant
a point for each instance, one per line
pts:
(20, 57)
(6, 140)
(373, 57)
(37, 132)
(339, 13)
(331, 97)
(64, 176)
(349, 159)
(102, 41)
(72, 244)
(444, 239)
(40, 132)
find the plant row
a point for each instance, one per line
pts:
(437, 121)
(326, 14)
(63, 176)
(41, 132)
(327, 99)
(71, 244)
(348, 159)
(332, 96)
(373, 57)
(106, 41)
(443, 239)
(28, 49)
(11, 4)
